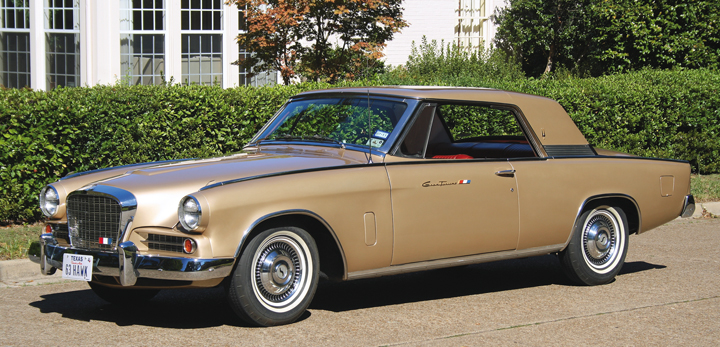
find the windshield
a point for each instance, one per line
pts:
(349, 120)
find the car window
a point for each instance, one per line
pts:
(471, 121)
(358, 121)
(460, 131)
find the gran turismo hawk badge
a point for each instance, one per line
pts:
(444, 183)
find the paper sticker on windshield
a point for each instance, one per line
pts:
(381, 134)
(376, 142)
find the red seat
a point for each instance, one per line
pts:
(453, 156)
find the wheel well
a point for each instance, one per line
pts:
(332, 263)
(626, 203)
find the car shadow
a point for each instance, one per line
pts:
(178, 309)
(638, 266)
(207, 307)
(451, 282)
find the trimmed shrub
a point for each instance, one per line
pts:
(46, 135)
(651, 113)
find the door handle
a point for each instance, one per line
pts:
(506, 173)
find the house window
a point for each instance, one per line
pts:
(471, 20)
(142, 41)
(202, 36)
(62, 42)
(15, 43)
(247, 76)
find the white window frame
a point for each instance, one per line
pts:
(126, 30)
(75, 30)
(26, 12)
(185, 35)
(473, 21)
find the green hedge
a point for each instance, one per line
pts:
(46, 135)
(652, 113)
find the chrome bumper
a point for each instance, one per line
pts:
(688, 206)
(128, 265)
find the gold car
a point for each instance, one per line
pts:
(361, 182)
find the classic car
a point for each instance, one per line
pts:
(354, 183)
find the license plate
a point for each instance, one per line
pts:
(77, 267)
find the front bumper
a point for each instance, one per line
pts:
(128, 265)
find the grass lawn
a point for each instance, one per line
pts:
(15, 240)
(705, 188)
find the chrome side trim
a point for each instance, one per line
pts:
(688, 206)
(604, 196)
(443, 263)
(128, 265)
(291, 172)
(289, 212)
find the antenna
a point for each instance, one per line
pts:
(369, 128)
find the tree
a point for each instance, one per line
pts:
(542, 34)
(318, 39)
(595, 37)
(657, 33)
(271, 35)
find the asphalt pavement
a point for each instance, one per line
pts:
(668, 293)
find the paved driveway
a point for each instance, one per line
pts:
(667, 294)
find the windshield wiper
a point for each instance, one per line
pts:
(316, 137)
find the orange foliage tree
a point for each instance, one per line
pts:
(322, 40)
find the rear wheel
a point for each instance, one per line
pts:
(598, 246)
(276, 277)
(118, 296)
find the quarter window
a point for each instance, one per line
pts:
(459, 131)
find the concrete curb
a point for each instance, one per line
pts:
(19, 268)
(711, 207)
(24, 272)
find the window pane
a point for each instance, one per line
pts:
(14, 62)
(142, 58)
(202, 58)
(62, 61)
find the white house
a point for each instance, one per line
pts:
(50, 43)
(464, 22)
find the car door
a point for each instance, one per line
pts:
(444, 208)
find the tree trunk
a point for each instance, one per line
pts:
(549, 65)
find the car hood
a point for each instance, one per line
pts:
(158, 187)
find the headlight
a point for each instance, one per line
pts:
(189, 213)
(49, 201)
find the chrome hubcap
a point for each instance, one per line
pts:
(278, 270)
(600, 238)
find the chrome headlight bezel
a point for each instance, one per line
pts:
(190, 213)
(49, 205)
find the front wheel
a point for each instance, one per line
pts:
(598, 246)
(276, 277)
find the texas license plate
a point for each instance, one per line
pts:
(77, 267)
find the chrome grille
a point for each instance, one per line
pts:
(165, 243)
(61, 232)
(93, 218)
